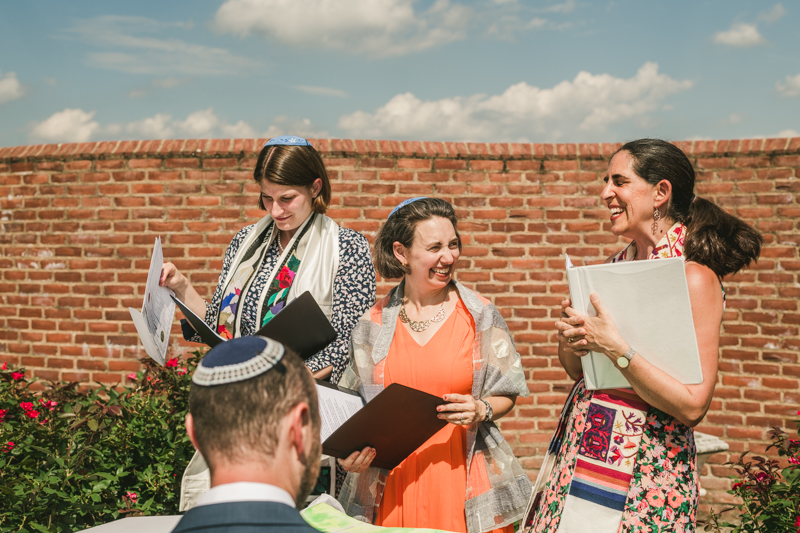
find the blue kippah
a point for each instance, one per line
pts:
(238, 359)
(405, 203)
(287, 140)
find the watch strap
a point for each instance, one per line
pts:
(629, 354)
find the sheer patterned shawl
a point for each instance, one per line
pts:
(497, 487)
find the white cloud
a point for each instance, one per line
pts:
(161, 83)
(70, 125)
(370, 27)
(536, 22)
(77, 125)
(740, 35)
(322, 91)
(790, 88)
(284, 125)
(138, 45)
(774, 14)
(732, 119)
(783, 134)
(199, 123)
(565, 7)
(10, 88)
(240, 130)
(155, 127)
(578, 108)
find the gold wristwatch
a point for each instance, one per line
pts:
(625, 359)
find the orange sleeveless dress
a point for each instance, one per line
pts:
(428, 489)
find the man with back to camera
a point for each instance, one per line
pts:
(254, 417)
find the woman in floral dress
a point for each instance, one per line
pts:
(624, 459)
(293, 249)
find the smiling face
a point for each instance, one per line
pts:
(432, 256)
(289, 206)
(630, 198)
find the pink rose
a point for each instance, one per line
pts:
(18, 375)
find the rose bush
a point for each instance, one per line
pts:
(72, 458)
(770, 495)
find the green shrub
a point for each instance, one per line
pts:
(72, 458)
(770, 495)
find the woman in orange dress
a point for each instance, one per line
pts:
(433, 334)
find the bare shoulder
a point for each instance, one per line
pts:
(702, 281)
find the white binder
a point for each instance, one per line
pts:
(649, 303)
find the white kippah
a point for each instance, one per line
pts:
(238, 359)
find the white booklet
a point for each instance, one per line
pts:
(336, 406)
(154, 321)
(649, 302)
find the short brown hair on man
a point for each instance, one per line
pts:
(234, 420)
(294, 166)
(401, 226)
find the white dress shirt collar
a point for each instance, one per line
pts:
(243, 491)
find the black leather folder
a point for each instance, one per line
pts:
(396, 422)
(301, 325)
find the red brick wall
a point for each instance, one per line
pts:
(78, 223)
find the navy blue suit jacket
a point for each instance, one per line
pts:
(243, 517)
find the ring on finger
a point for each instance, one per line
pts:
(572, 339)
(462, 418)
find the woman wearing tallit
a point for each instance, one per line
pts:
(293, 249)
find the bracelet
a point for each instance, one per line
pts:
(489, 412)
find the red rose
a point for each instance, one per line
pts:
(285, 277)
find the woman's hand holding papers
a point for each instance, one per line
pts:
(173, 279)
(569, 353)
(357, 462)
(597, 334)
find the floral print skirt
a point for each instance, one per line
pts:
(663, 492)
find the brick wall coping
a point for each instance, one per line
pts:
(244, 147)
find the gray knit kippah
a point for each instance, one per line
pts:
(238, 359)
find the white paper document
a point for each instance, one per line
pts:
(649, 303)
(335, 408)
(154, 321)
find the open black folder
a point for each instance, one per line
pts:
(396, 422)
(301, 325)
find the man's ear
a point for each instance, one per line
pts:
(190, 430)
(300, 429)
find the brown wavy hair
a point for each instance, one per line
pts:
(721, 241)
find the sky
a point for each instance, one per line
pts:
(430, 70)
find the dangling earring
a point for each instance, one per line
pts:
(656, 218)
